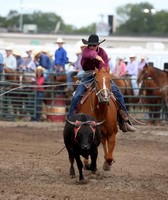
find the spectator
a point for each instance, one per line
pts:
(10, 60)
(41, 58)
(141, 63)
(50, 54)
(1, 63)
(39, 93)
(111, 65)
(45, 62)
(77, 71)
(29, 52)
(132, 71)
(60, 57)
(36, 55)
(19, 59)
(120, 67)
(27, 64)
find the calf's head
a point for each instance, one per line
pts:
(85, 133)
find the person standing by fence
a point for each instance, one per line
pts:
(132, 71)
(10, 60)
(141, 63)
(60, 57)
(39, 93)
(120, 67)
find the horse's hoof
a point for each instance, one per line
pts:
(81, 182)
(106, 166)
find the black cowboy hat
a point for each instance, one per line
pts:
(92, 40)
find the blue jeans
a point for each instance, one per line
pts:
(134, 85)
(38, 103)
(81, 89)
(70, 75)
(118, 95)
(47, 74)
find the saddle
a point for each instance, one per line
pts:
(89, 91)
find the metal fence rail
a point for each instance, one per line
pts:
(18, 103)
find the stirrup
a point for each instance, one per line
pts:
(126, 126)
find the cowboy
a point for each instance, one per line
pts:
(60, 57)
(120, 67)
(95, 56)
(141, 63)
(132, 71)
(10, 60)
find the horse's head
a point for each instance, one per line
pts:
(103, 85)
(144, 74)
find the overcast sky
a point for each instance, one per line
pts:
(76, 12)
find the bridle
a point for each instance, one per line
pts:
(103, 94)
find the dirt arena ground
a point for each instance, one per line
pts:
(30, 168)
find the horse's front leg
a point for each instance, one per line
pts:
(109, 152)
(106, 166)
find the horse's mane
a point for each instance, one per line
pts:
(157, 69)
(105, 69)
(166, 71)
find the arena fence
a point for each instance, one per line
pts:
(18, 102)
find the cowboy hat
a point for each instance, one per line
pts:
(9, 48)
(36, 52)
(132, 56)
(17, 52)
(24, 55)
(59, 41)
(40, 68)
(92, 40)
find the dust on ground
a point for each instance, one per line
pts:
(30, 168)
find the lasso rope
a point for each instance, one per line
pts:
(31, 86)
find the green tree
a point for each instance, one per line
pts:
(46, 23)
(161, 23)
(86, 30)
(133, 20)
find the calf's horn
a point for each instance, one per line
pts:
(99, 123)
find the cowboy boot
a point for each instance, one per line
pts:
(125, 124)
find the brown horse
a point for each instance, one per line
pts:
(150, 99)
(125, 86)
(159, 76)
(101, 105)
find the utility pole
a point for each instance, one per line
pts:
(21, 17)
